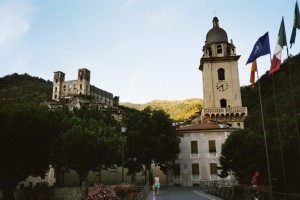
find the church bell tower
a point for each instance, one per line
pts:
(221, 87)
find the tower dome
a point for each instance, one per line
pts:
(216, 34)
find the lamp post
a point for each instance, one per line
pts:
(123, 131)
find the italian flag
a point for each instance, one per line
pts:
(281, 42)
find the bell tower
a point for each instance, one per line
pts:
(221, 87)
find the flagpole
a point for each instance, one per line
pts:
(265, 136)
(279, 135)
(292, 93)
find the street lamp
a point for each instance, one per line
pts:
(123, 131)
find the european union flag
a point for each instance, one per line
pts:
(261, 48)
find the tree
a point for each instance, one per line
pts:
(25, 144)
(155, 139)
(243, 153)
(89, 144)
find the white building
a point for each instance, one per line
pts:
(222, 112)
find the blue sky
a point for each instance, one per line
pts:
(140, 50)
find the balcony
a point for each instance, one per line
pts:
(225, 114)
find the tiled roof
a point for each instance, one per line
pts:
(209, 125)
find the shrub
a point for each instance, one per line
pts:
(98, 192)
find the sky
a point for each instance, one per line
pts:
(139, 50)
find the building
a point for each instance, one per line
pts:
(222, 113)
(80, 90)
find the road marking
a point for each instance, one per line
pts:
(203, 195)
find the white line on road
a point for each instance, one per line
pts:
(203, 195)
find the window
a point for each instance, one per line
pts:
(221, 74)
(209, 51)
(213, 168)
(194, 147)
(176, 171)
(219, 49)
(80, 86)
(195, 168)
(223, 103)
(212, 146)
(55, 89)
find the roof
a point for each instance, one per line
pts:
(216, 34)
(208, 125)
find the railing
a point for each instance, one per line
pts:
(144, 192)
(222, 189)
(258, 194)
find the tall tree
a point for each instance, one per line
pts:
(155, 139)
(89, 144)
(25, 144)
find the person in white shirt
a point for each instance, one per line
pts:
(156, 184)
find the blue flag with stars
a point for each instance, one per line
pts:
(261, 48)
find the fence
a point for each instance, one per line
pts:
(144, 192)
(251, 193)
(222, 189)
(227, 190)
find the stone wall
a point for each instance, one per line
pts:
(71, 193)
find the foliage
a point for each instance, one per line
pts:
(178, 110)
(281, 119)
(25, 143)
(40, 191)
(243, 153)
(88, 144)
(162, 144)
(24, 88)
(98, 192)
(126, 192)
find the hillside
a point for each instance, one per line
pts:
(24, 88)
(177, 110)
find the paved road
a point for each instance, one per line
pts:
(180, 193)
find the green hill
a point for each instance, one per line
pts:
(24, 88)
(178, 110)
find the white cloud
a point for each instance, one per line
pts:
(15, 20)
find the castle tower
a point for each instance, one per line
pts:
(83, 82)
(221, 87)
(59, 78)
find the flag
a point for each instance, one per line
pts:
(281, 42)
(261, 48)
(252, 75)
(296, 24)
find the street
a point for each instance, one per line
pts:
(180, 193)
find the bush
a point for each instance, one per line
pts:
(40, 191)
(98, 192)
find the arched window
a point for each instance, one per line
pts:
(219, 49)
(221, 74)
(223, 103)
(209, 51)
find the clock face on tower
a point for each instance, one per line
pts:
(222, 85)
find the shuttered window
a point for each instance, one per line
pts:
(194, 147)
(213, 168)
(176, 169)
(195, 168)
(212, 146)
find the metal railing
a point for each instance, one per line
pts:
(144, 191)
(221, 188)
(258, 194)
